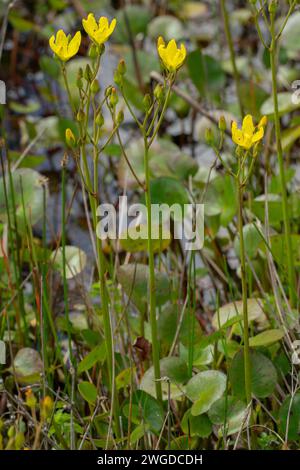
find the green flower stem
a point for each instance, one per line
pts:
(152, 306)
(64, 261)
(285, 209)
(65, 77)
(153, 322)
(162, 114)
(92, 193)
(247, 364)
(232, 55)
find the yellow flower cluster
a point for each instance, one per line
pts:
(249, 135)
(65, 47)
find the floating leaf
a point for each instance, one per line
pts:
(192, 10)
(230, 413)
(138, 433)
(285, 105)
(263, 375)
(168, 323)
(290, 36)
(175, 369)
(289, 137)
(266, 338)
(123, 379)
(28, 366)
(27, 184)
(252, 240)
(274, 205)
(205, 72)
(204, 389)
(75, 260)
(199, 426)
(235, 310)
(167, 26)
(289, 416)
(165, 159)
(278, 248)
(134, 279)
(133, 245)
(145, 408)
(166, 190)
(138, 17)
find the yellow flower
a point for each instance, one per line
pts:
(171, 56)
(70, 138)
(46, 406)
(249, 134)
(65, 47)
(30, 398)
(98, 32)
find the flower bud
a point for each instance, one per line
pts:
(159, 92)
(99, 119)
(209, 138)
(108, 91)
(122, 67)
(147, 102)
(19, 440)
(118, 78)
(263, 122)
(88, 74)
(80, 115)
(79, 83)
(30, 398)
(11, 431)
(120, 117)
(95, 87)
(273, 6)
(222, 124)
(70, 138)
(114, 97)
(93, 51)
(46, 407)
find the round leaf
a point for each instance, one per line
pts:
(75, 260)
(134, 280)
(175, 369)
(263, 375)
(28, 366)
(230, 413)
(266, 338)
(289, 415)
(234, 310)
(199, 426)
(28, 195)
(204, 389)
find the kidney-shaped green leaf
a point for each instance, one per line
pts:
(204, 389)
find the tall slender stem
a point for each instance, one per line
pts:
(64, 260)
(285, 208)
(247, 364)
(153, 322)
